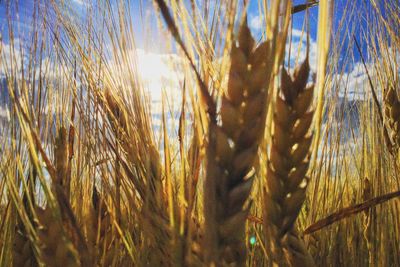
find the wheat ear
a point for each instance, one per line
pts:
(232, 150)
(61, 160)
(287, 167)
(392, 116)
(23, 254)
(56, 247)
(23, 248)
(71, 233)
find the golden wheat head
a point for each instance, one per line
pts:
(232, 150)
(287, 167)
(392, 116)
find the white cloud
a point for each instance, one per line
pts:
(160, 71)
(298, 33)
(354, 85)
(79, 2)
(156, 72)
(297, 47)
(4, 113)
(298, 52)
(256, 23)
(10, 54)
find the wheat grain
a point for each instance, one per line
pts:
(22, 250)
(287, 167)
(392, 116)
(232, 150)
(56, 248)
(61, 160)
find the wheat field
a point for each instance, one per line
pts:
(199, 133)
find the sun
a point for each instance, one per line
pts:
(159, 72)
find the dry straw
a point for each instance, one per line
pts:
(101, 234)
(368, 216)
(113, 200)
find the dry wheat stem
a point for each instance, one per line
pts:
(287, 167)
(140, 161)
(367, 222)
(101, 233)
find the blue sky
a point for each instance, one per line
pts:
(22, 15)
(24, 10)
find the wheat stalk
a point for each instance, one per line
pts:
(140, 161)
(367, 195)
(101, 234)
(287, 167)
(232, 150)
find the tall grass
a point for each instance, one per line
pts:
(230, 178)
